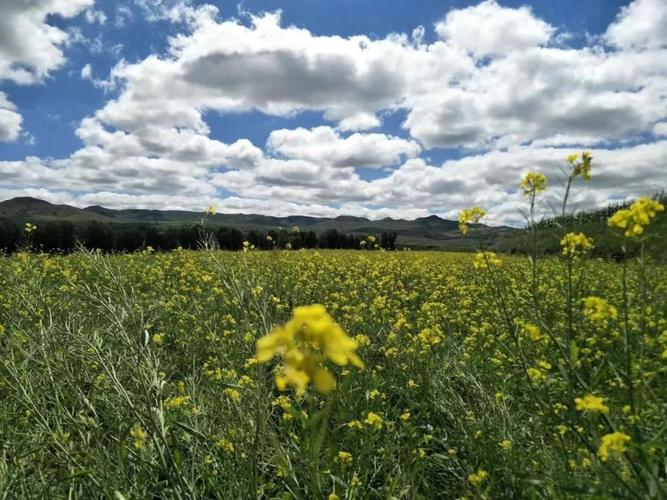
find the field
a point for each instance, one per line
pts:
(137, 376)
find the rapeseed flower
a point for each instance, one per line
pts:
(634, 220)
(613, 444)
(478, 477)
(599, 310)
(591, 403)
(307, 340)
(575, 244)
(581, 168)
(470, 216)
(533, 182)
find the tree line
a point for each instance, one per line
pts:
(65, 237)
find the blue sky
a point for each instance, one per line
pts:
(480, 93)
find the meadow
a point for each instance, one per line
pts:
(337, 374)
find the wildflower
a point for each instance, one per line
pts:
(211, 210)
(225, 445)
(533, 332)
(486, 260)
(412, 384)
(355, 425)
(373, 420)
(405, 416)
(613, 444)
(295, 229)
(139, 434)
(470, 216)
(575, 244)
(582, 168)
(598, 310)
(533, 182)
(505, 444)
(176, 402)
(158, 339)
(591, 403)
(30, 228)
(304, 343)
(633, 220)
(478, 477)
(232, 393)
(344, 458)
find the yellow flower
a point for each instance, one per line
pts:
(582, 168)
(355, 425)
(344, 458)
(307, 340)
(597, 309)
(211, 210)
(575, 244)
(533, 182)
(505, 444)
(478, 477)
(176, 402)
(158, 339)
(613, 444)
(470, 216)
(232, 393)
(30, 228)
(139, 435)
(486, 260)
(226, 445)
(591, 403)
(373, 420)
(333, 496)
(633, 220)
(405, 416)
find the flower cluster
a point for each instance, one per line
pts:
(470, 216)
(533, 182)
(634, 220)
(575, 244)
(613, 444)
(305, 343)
(591, 403)
(599, 310)
(581, 168)
(486, 260)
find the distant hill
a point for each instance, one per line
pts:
(425, 232)
(593, 223)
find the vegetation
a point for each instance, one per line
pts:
(338, 374)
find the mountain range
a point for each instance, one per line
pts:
(424, 232)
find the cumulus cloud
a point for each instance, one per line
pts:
(10, 120)
(494, 84)
(489, 29)
(640, 25)
(30, 48)
(323, 145)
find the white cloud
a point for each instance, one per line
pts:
(10, 120)
(494, 82)
(640, 25)
(489, 29)
(29, 46)
(323, 145)
(29, 49)
(660, 129)
(87, 72)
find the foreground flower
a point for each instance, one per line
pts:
(533, 182)
(470, 216)
(613, 444)
(634, 220)
(305, 343)
(599, 310)
(591, 403)
(581, 168)
(575, 244)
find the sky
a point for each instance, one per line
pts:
(375, 108)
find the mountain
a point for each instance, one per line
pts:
(424, 232)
